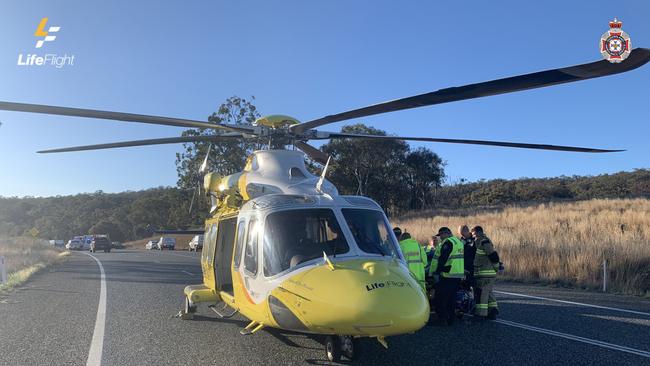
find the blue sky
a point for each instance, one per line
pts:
(309, 59)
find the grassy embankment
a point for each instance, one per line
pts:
(561, 243)
(26, 256)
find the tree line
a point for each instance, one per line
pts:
(500, 192)
(124, 216)
(130, 215)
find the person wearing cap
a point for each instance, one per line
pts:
(447, 269)
(486, 263)
(398, 232)
(415, 257)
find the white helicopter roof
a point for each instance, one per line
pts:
(278, 179)
(283, 172)
(273, 202)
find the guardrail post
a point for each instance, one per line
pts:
(3, 270)
(604, 275)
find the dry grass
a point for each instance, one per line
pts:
(24, 257)
(563, 243)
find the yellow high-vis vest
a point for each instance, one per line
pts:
(455, 261)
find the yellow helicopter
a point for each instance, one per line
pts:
(285, 250)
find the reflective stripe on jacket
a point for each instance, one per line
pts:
(483, 267)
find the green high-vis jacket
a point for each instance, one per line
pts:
(416, 259)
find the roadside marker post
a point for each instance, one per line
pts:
(3, 270)
(604, 275)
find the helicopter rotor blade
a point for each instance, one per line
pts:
(160, 141)
(192, 201)
(312, 152)
(335, 135)
(638, 57)
(120, 116)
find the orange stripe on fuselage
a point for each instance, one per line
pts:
(241, 283)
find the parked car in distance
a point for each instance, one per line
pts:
(166, 242)
(151, 244)
(73, 244)
(57, 243)
(117, 245)
(100, 243)
(196, 243)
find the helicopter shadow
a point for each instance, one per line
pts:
(279, 334)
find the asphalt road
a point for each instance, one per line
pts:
(53, 320)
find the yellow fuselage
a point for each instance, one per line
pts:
(360, 291)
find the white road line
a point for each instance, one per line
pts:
(188, 273)
(576, 338)
(97, 344)
(185, 256)
(574, 303)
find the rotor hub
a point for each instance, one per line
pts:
(276, 121)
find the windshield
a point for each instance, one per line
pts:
(296, 236)
(371, 231)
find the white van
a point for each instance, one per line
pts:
(196, 243)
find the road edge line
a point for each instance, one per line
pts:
(97, 343)
(573, 303)
(572, 337)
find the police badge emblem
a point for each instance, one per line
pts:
(615, 45)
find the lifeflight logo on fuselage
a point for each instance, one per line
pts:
(48, 59)
(387, 284)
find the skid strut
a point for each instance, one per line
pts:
(251, 328)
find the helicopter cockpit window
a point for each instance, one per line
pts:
(241, 239)
(371, 231)
(250, 254)
(296, 236)
(209, 243)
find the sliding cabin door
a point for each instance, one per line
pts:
(223, 258)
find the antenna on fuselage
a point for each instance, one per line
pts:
(202, 170)
(322, 176)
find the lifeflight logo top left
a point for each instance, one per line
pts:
(45, 35)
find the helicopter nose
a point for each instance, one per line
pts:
(357, 298)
